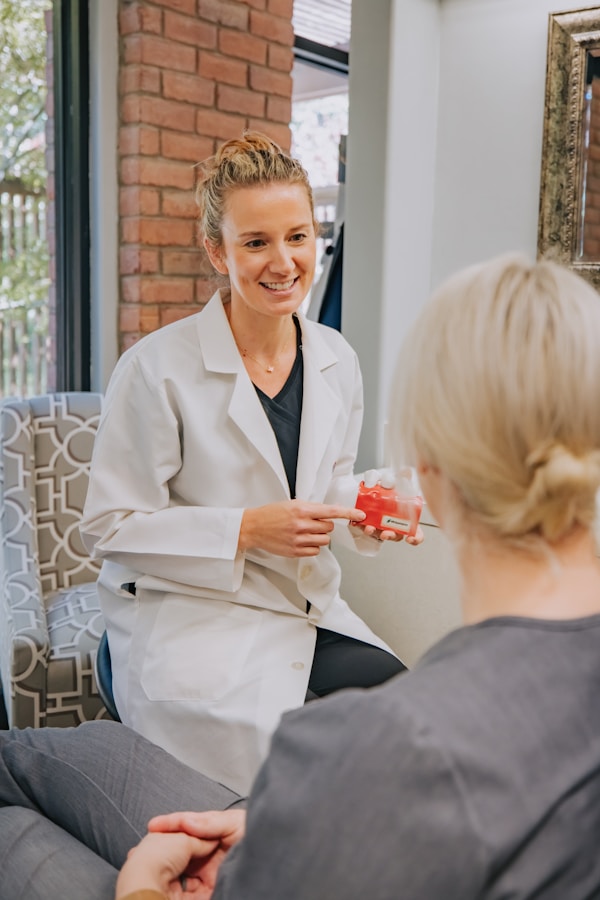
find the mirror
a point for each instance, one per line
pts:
(569, 223)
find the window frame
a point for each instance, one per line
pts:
(72, 195)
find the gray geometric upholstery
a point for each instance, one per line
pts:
(50, 619)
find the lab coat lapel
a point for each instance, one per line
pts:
(221, 355)
(320, 408)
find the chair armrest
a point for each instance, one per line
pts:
(24, 651)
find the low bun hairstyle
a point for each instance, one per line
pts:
(253, 159)
(498, 386)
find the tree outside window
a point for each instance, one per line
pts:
(24, 258)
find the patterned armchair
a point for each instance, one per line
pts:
(50, 620)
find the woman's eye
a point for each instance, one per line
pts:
(298, 238)
(257, 242)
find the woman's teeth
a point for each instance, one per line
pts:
(279, 285)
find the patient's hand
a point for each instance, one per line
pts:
(388, 535)
(182, 853)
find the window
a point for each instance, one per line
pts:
(320, 116)
(44, 197)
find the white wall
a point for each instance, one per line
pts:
(393, 86)
(444, 155)
(490, 123)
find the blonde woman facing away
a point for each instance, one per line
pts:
(476, 776)
(223, 458)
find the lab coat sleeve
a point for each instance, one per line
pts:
(129, 516)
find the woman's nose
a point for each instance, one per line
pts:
(282, 259)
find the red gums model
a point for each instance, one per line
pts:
(386, 509)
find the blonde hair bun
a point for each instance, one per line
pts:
(561, 493)
(253, 159)
(497, 387)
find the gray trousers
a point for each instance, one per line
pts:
(73, 801)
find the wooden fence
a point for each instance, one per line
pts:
(24, 323)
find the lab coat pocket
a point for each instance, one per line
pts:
(197, 649)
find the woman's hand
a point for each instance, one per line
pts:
(160, 860)
(182, 853)
(292, 528)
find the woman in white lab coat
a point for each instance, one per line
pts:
(223, 459)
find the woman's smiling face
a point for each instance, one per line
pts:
(268, 247)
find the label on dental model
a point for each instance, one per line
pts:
(396, 523)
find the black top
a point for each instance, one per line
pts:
(284, 412)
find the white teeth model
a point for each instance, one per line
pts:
(284, 286)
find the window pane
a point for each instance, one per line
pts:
(25, 354)
(319, 119)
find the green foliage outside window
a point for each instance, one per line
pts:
(24, 260)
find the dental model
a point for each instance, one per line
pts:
(387, 508)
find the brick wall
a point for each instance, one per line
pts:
(192, 74)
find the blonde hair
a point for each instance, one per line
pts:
(498, 386)
(252, 160)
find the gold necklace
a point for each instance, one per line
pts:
(268, 369)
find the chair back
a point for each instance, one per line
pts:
(45, 452)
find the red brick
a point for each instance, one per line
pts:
(167, 54)
(189, 30)
(157, 172)
(134, 78)
(191, 88)
(183, 6)
(138, 139)
(233, 15)
(130, 288)
(140, 17)
(131, 108)
(166, 173)
(185, 262)
(219, 125)
(257, 4)
(236, 100)
(149, 318)
(185, 147)
(166, 232)
(279, 133)
(132, 49)
(243, 46)
(136, 201)
(223, 69)
(128, 340)
(129, 318)
(130, 230)
(272, 27)
(283, 8)
(135, 261)
(169, 314)
(270, 82)
(180, 204)
(166, 290)
(281, 57)
(279, 109)
(167, 113)
(129, 19)
(206, 287)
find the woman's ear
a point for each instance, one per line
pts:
(216, 257)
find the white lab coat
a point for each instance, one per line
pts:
(215, 644)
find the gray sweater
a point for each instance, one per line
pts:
(476, 775)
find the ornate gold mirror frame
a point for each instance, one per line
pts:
(569, 216)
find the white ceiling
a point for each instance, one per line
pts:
(311, 81)
(324, 21)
